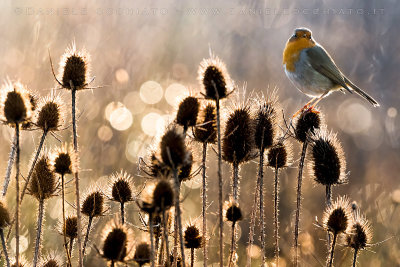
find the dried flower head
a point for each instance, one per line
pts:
(308, 121)
(337, 217)
(187, 112)
(359, 235)
(43, 183)
(280, 155)
(185, 171)
(327, 163)
(173, 149)
(192, 237)
(50, 260)
(22, 262)
(117, 241)
(4, 215)
(15, 104)
(206, 129)
(232, 212)
(163, 196)
(121, 187)
(238, 139)
(50, 114)
(26, 125)
(214, 78)
(157, 168)
(93, 204)
(64, 160)
(74, 67)
(71, 227)
(142, 254)
(266, 123)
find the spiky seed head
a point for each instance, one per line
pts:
(93, 204)
(360, 233)
(142, 254)
(64, 160)
(157, 168)
(26, 125)
(4, 215)
(163, 195)
(22, 262)
(327, 164)
(337, 217)
(121, 187)
(173, 149)
(280, 155)
(51, 263)
(206, 129)
(52, 259)
(43, 183)
(238, 139)
(232, 212)
(74, 66)
(265, 124)
(71, 227)
(187, 112)
(185, 171)
(192, 237)
(50, 114)
(15, 103)
(308, 121)
(115, 244)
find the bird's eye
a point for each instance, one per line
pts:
(304, 35)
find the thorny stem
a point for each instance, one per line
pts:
(332, 250)
(298, 204)
(38, 232)
(165, 232)
(87, 235)
(253, 222)
(235, 181)
(192, 257)
(276, 214)
(355, 257)
(71, 243)
(17, 195)
(204, 196)
(151, 240)
(63, 214)
(9, 166)
(328, 201)
(3, 242)
(178, 215)
(261, 199)
(122, 212)
(78, 206)
(233, 245)
(221, 223)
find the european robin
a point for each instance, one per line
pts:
(312, 70)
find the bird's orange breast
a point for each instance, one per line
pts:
(292, 51)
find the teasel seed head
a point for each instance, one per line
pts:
(214, 78)
(43, 184)
(232, 212)
(266, 123)
(142, 254)
(280, 155)
(74, 66)
(238, 138)
(157, 168)
(337, 217)
(64, 160)
(173, 149)
(93, 204)
(116, 242)
(50, 114)
(185, 171)
(121, 187)
(4, 215)
(308, 121)
(163, 196)
(192, 237)
(71, 227)
(15, 104)
(359, 235)
(327, 164)
(206, 129)
(187, 112)
(26, 125)
(51, 260)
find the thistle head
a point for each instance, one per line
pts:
(187, 112)
(64, 160)
(266, 121)
(280, 155)
(359, 235)
(93, 204)
(163, 195)
(4, 215)
(307, 122)
(192, 237)
(16, 107)
(337, 217)
(173, 149)
(185, 171)
(50, 114)
(232, 212)
(206, 129)
(117, 241)
(71, 227)
(43, 184)
(121, 187)
(142, 254)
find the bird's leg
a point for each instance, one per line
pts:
(306, 106)
(319, 99)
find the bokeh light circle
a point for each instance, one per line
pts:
(175, 93)
(151, 92)
(152, 123)
(353, 117)
(121, 119)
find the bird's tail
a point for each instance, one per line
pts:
(361, 93)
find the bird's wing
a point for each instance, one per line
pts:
(324, 64)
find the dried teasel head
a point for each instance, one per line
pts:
(337, 218)
(50, 113)
(64, 160)
(51, 260)
(4, 215)
(74, 68)
(93, 203)
(16, 107)
(214, 78)
(157, 168)
(280, 155)
(185, 171)
(142, 254)
(117, 242)
(43, 184)
(187, 112)
(173, 149)
(307, 122)
(206, 129)
(121, 187)
(192, 237)
(163, 196)
(22, 262)
(27, 125)
(70, 227)
(266, 122)
(327, 164)
(238, 138)
(232, 212)
(359, 235)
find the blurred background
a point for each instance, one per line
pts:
(145, 57)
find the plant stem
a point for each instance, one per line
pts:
(253, 222)
(165, 232)
(123, 212)
(87, 235)
(298, 204)
(38, 232)
(204, 196)
(221, 223)
(261, 199)
(192, 257)
(332, 250)
(151, 240)
(178, 220)
(276, 214)
(355, 257)
(235, 181)
(3, 242)
(17, 195)
(328, 201)
(233, 245)
(71, 243)
(63, 214)
(78, 205)
(9, 166)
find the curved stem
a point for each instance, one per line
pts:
(64, 227)
(276, 214)
(3, 242)
(87, 235)
(332, 250)
(151, 240)
(221, 222)
(298, 204)
(178, 220)
(355, 257)
(17, 195)
(123, 213)
(38, 232)
(9, 166)
(204, 196)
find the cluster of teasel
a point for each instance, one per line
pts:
(252, 130)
